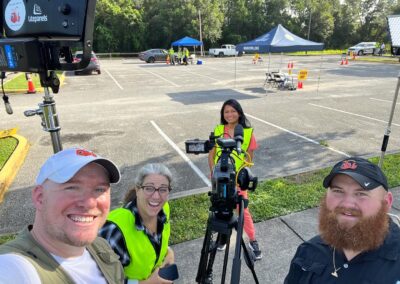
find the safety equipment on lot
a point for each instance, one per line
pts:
(299, 85)
(31, 86)
(167, 59)
(346, 62)
(342, 62)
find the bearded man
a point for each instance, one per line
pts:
(358, 242)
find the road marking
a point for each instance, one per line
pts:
(297, 135)
(109, 74)
(161, 77)
(354, 114)
(197, 74)
(182, 154)
(386, 101)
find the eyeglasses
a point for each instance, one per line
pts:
(149, 190)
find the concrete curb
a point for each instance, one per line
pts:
(10, 169)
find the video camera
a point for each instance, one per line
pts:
(223, 195)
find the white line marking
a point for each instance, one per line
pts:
(354, 114)
(183, 155)
(161, 77)
(298, 135)
(197, 74)
(109, 74)
(386, 101)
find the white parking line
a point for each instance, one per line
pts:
(354, 114)
(161, 77)
(109, 74)
(183, 155)
(197, 74)
(386, 101)
(297, 135)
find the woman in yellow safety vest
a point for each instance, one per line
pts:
(231, 115)
(139, 231)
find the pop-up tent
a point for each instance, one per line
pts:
(278, 39)
(187, 41)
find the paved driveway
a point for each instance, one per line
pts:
(135, 113)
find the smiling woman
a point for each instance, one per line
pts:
(139, 231)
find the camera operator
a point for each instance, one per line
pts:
(231, 115)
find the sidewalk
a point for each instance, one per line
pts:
(278, 239)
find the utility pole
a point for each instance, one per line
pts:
(201, 37)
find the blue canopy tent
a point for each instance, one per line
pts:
(187, 41)
(278, 39)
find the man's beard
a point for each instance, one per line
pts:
(367, 234)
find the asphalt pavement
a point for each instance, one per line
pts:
(278, 239)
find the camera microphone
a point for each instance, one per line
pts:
(238, 136)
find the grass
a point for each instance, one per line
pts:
(7, 146)
(271, 199)
(19, 82)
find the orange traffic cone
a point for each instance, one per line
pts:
(167, 59)
(341, 63)
(31, 86)
(346, 62)
(299, 85)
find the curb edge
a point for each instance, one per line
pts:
(10, 169)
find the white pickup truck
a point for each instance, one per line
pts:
(225, 50)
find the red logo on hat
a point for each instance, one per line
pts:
(346, 165)
(85, 153)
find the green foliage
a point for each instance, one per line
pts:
(6, 238)
(7, 146)
(135, 25)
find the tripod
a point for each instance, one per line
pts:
(209, 249)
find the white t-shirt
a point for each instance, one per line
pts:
(17, 269)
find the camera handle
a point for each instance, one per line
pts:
(47, 110)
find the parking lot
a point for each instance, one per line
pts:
(136, 113)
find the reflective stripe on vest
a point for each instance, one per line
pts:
(247, 132)
(140, 249)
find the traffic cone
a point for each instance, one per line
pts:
(167, 59)
(291, 65)
(299, 85)
(346, 62)
(31, 86)
(341, 63)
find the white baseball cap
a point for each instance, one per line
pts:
(62, 166)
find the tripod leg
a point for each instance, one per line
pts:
(203, 264)
(225, 258)
(249, 260)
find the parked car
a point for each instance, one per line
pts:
(94, 64)
(363, 48)
(156, 54)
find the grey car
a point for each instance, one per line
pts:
(94, 64)
(153, 55)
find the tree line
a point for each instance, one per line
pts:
(136, 25)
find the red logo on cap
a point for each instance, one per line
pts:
(352, 165)
(85, 153)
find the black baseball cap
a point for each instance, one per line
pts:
(367, 174)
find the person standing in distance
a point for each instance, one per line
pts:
(231, 115)
(139, 231)
(72, 201)
(358, 241)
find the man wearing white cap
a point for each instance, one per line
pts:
(72, 201)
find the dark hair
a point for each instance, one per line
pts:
(242, 117)
(148, 169)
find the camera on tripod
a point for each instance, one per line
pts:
(225, 175)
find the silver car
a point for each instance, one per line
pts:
(94, 64)
(363, 48)
(153, 55)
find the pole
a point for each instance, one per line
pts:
(201, 36)
(388, 128)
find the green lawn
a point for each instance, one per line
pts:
(19, 82)
(7, 146)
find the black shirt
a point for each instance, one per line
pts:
(313, 263)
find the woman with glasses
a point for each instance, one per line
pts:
(139, 231)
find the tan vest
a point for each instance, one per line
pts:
(50, 271)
